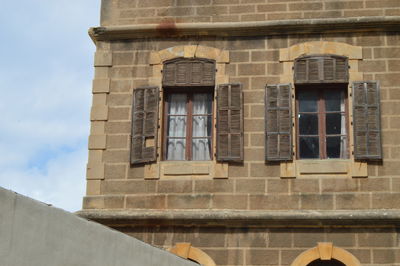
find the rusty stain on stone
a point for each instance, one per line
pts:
(167, 28)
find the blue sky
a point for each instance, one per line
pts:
(46, 72)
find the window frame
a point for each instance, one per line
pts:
(190, 91)
(321, 88)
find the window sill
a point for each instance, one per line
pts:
(316, 168)
(186, 169)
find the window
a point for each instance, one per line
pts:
(321, 113)
(188, 124)
(321, 122)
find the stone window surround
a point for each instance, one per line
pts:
(336, 167)
(187, 251)
(326, 251)
(186, 169)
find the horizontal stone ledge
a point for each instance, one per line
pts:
(243, 217)
(224, 29)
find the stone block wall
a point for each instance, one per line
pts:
(121, 66)
(125, 12)
(275, 246)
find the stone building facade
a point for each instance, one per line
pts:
(291, 109)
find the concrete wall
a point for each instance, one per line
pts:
(32, 233)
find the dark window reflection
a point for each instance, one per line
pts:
(333, 100)
(308, 101)
(308, 124)
(309, 147)
(333, 123)
(333, 147)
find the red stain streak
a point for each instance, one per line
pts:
(167, 28)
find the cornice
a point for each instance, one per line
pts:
(261, 28)
(244, 217)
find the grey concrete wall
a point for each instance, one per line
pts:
(35, 234)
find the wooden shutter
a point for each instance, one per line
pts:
(366, 120)
(230, 122)
(144, 125)
(189, 72)
(278, 122)
(321, 69)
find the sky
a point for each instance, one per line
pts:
(46, 73)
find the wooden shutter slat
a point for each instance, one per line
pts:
(366, 121)
(278, 122)
(144, 124)
(229, 122)
(321, 69)
(189, 72)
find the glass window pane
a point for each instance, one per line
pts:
(177, 104)
(308, 124)
(334, 100)
(336, 147)
(309, 147)
(202, 103)
(176, 126)
(308, 100)
(176, 149)
(334, 123)
(201, 126)
(201, 149)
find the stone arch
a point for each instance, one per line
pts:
(185, 250)
(288, 55)
(189, 51)
(320, 47)
(326, 251)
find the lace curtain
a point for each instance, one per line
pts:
(177, 126)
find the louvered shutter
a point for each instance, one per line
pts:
(278, 122)
(321, 69)
(144, 125)
(189, 72)
(366, 120)
(230, 122)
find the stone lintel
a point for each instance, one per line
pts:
(245, 218)
(260, 28)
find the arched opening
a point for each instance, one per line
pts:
(325, 254)
(331, 262)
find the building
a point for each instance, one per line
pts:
(291, 109)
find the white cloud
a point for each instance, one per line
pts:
(59, 183)
(45, 81)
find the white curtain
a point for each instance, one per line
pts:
(343, 138)
(177, 127)
(201, 127)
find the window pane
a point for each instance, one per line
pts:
(334, 100)
(202, 103)
(201, 126)
(177, 104)
(308, 101)
(176, 126)
(176, 149)
(308, 124)
(309, 147)
(336, 147)
(334, 123)
(201, 149)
